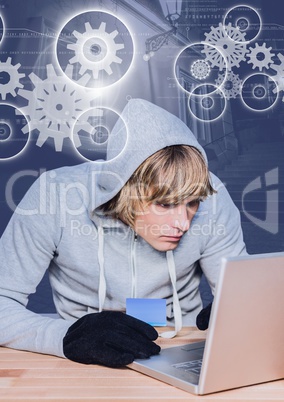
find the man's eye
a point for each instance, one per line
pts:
(164, 205)
(193, 203)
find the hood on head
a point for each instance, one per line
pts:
(142, 129)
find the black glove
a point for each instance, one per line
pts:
(110, 338)
(202, 319)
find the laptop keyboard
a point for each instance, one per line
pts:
(193, 366)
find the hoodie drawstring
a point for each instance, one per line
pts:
(176, 303)
(172, 273)
(102, 281)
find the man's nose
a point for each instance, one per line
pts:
(182, 218)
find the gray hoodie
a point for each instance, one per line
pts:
(92, 260)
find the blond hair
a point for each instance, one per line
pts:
(169, 176)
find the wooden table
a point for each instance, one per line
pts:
(26, 376)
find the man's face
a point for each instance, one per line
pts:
(163, 225)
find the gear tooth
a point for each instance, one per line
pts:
(50, 71)
(113, 34)
(76, 139)
(102, 27)
(71, 46)
(58, 143)
(83, 124)
(117, 60)
(42, 138)
(69, 70)
(26, 129)
(24, 94)
(119, 46)
(82, 70)
(76, 34)
(73, 60)
(34, 78)
(84, 79)
(88, 27)
(108, 70)
(95, 73)
(88, 127)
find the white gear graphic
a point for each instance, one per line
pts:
(200, 69)
(53, 106)
(230, 42)
(260, 56)
(279, 77)
(230, 85)
(95, 50)
(83, 124)
(14, 77)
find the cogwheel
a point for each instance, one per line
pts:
(95, 50)
(200, 69)
(230, 85)
(53, 106)
(230, 43)
(9, 78)
(279, 77)
(82, 124)
(260, 56)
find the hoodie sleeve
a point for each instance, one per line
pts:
(26, 249)
(224, 236)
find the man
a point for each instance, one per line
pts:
(143, 224)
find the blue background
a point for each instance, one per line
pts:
(244, 146)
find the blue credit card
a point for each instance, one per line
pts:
(152, 311)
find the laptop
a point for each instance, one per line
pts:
(245, 338)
